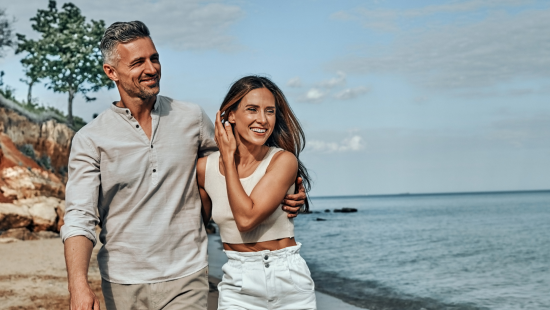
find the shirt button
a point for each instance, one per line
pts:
(151, 146)
(154, 170)
(127, 111)
(137, 126)
(266, 257)
(266, 265)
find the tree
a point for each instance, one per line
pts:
(34, 62)
(68, 51)
(6, 36)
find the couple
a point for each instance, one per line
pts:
(150, 168)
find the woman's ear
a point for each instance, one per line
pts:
(231, 117)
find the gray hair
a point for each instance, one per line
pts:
(120, 32)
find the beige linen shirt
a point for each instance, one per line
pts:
(145, 192)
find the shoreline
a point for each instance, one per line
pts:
(33, 276)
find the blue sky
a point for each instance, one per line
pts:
(394, 96)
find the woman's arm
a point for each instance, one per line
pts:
(206, 210)
(250, 211)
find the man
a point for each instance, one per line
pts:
(135, 165)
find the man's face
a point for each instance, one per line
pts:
(138, 68)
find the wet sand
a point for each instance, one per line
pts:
(33, 277)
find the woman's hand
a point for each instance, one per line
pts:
(225, 140)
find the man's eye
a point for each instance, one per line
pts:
(251, 109)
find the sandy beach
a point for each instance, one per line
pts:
(33, 277)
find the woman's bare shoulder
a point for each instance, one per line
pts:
(283, 159)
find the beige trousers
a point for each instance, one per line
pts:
(187, 293)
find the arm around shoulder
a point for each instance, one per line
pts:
(206, 209)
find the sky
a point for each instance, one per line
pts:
(394, 96)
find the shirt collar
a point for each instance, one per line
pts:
(126, 112)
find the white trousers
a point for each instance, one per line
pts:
(274, 280)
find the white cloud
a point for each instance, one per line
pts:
(313, 95)
(351, 93)
(182, 25)
(294, 82)
(500, 48)
(354, 143)
(339, 80)
(389, 20)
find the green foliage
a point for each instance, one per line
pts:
(44, 161)
(67, 54)
(6, 36)
(27, 150)
(34, 62)
(36, 108)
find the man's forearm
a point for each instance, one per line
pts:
(78, 250)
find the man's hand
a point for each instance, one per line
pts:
(83, 298)
(293, 203)
(78, 250)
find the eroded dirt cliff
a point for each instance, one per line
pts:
(34, 152)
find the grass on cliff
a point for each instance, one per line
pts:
(38, 109)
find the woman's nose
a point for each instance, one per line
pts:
(261, 118)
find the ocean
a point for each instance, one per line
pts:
(449, 251)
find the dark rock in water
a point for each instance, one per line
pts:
(327, 210)
(320, 219)
(345, 210)
(305, 212)
(317, 212)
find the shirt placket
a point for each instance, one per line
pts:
(153, 158)
(152, 150)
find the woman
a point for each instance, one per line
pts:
(242, 186)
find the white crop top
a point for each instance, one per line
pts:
(276, 226)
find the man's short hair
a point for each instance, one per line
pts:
(120, 32)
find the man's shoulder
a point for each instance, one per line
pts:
(180, 106)
(97, 125)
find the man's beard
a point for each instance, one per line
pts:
(143, 93)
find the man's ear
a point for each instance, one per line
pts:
(111, 72)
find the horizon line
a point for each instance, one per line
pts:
(434, 194)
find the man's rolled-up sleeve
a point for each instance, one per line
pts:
(207, 144)
(81, 195)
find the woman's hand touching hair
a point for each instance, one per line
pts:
(226, 140)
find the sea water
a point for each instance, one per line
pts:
(461, 251)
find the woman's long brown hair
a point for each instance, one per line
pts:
(287, 134)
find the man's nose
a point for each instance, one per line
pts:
(149, 67)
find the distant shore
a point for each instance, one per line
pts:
(433, 194)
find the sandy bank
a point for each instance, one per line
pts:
(33, 277)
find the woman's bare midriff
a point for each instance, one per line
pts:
(271, 245)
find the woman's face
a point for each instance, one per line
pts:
(254, 119)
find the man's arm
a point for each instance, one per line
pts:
(294, 202)
(78, 250)
(207, 143)
(78, 232)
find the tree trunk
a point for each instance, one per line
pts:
(70, 110)
(29, 93)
